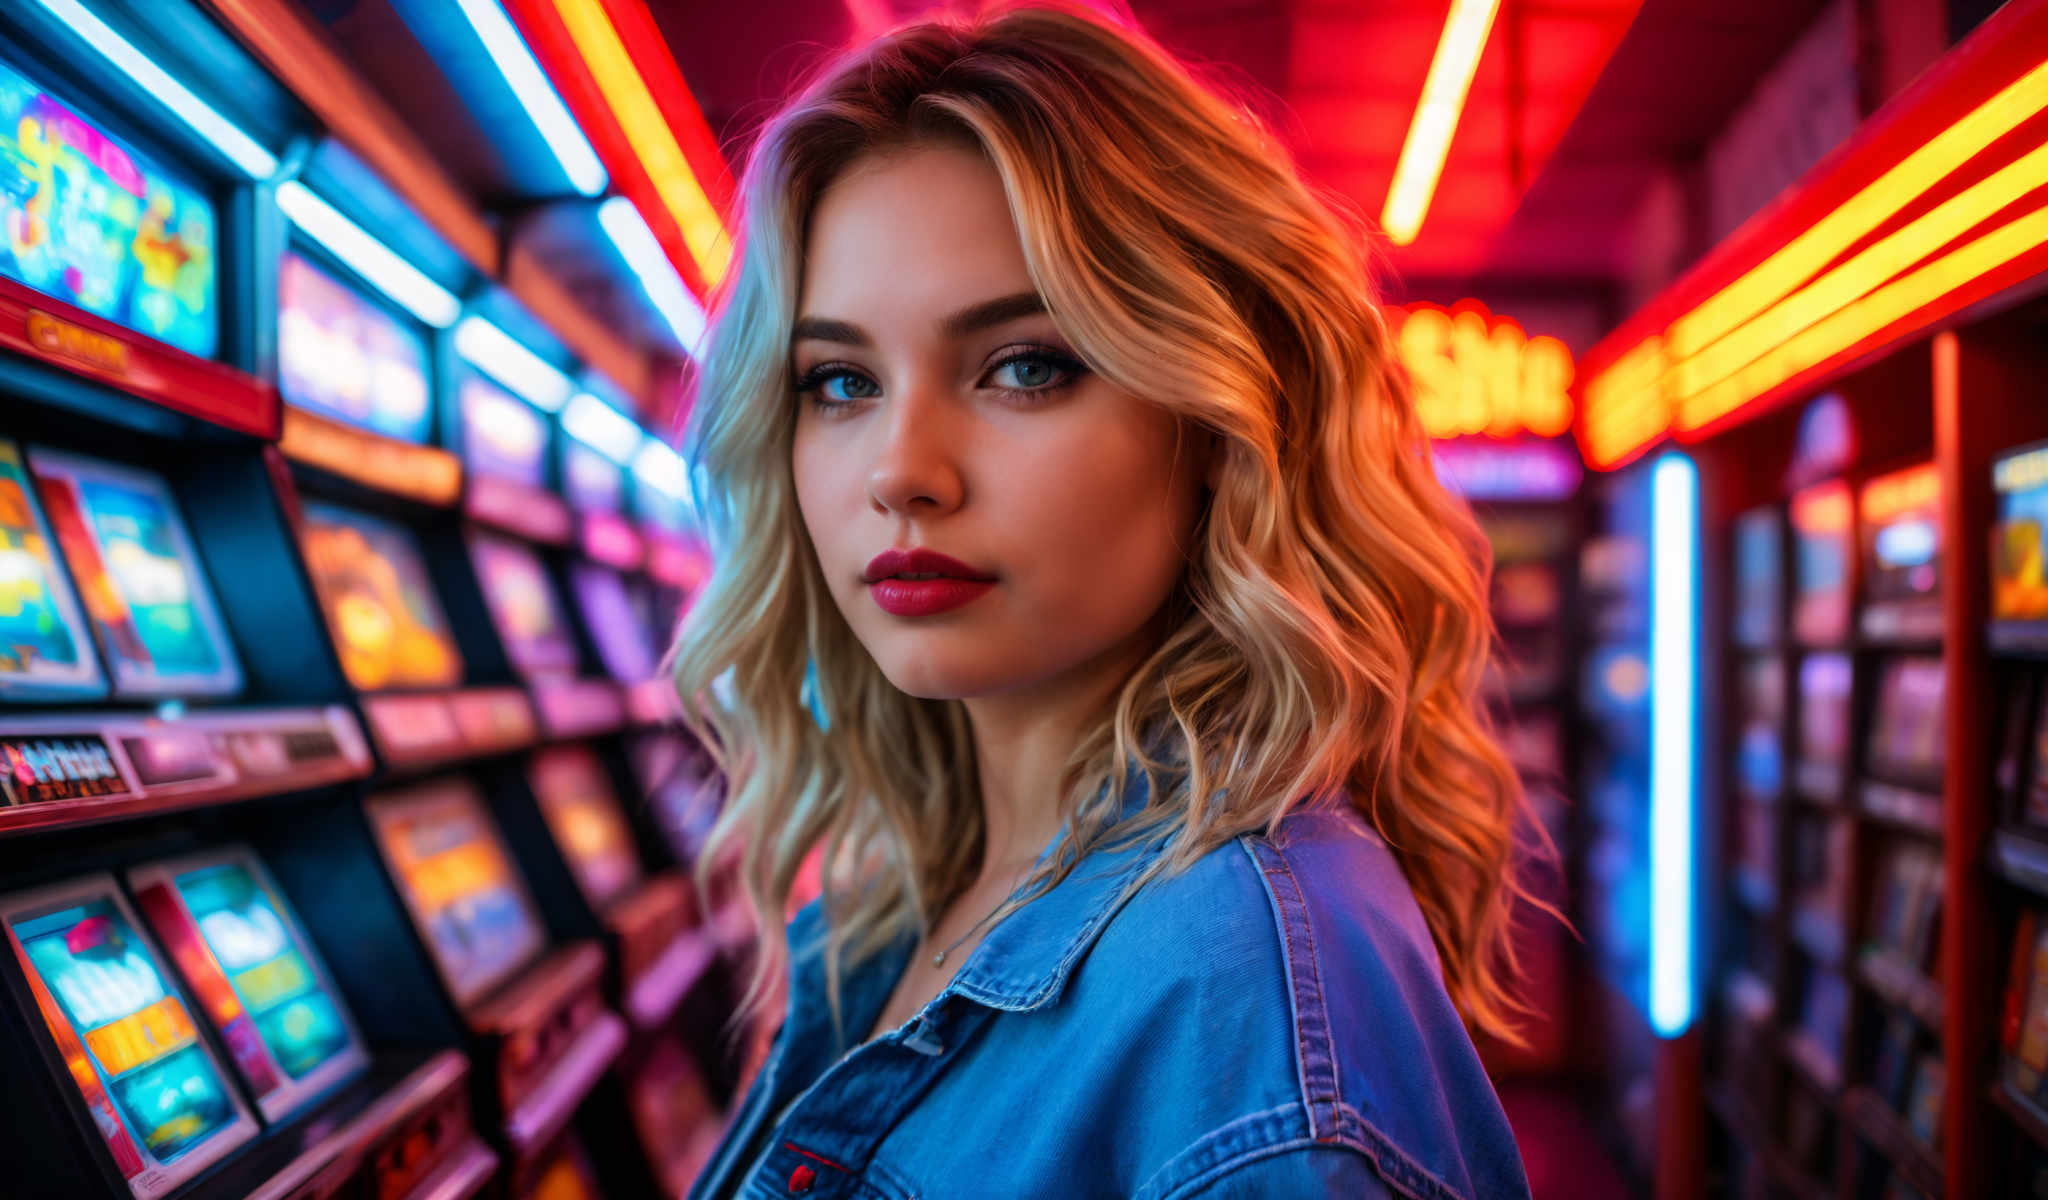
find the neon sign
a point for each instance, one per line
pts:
(1476, 373)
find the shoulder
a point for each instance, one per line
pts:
(1309, 938)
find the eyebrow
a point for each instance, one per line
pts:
(973, 319)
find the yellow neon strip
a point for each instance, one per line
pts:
(1436, 117)
(1869, 208)
(647, 131)
(1880, 261)
(1626, 405)
(1867, 315)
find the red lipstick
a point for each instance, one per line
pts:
(922, 583)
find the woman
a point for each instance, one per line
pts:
(1086, 600)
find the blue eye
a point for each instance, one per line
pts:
(819, 385)
(853, 387)
(1035, 373)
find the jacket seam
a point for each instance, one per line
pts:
(1403, 1176)
(1425, 1185)
(1305, 983)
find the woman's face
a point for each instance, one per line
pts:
(941, 410)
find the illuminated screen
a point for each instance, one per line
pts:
(381, 607)
(467, 901)
(618, 626)
(343, 356)
(44, 648)
(1902, 535)
(1907, 730)
(1824, 708)
(590, 480)
(583, 813)
(523, 605)
(97, 225)
(254, 946)
(1758, 763)
(1821, 519)
(2019, 558)
(136, 571)
(502, 435)
(143, 1065)
(1758, 588)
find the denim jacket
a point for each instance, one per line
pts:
(1270, 1022)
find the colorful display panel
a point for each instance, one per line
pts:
(1824, 708)
(343, 356)
(93, 223)
(2019, 547)
(502, 435)
(382, 611)
(582, 812)
(256, 976)
(467, 901)
(523, 605)
(1906, 731)
(1759, 767)
(1821, 520)
(1902, 536)
(591, 481)
(617, 625)
(137, 573)
(1759, 586)
(45, 652)
(157, 1095)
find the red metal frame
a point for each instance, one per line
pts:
(564, 63)
(40, 327)
(2002, 50)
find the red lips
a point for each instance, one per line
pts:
(941, 583)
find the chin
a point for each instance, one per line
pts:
(941, 677)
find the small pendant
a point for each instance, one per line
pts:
(939, 959)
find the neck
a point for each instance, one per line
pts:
(1022, 740)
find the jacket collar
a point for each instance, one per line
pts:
(1023, 963)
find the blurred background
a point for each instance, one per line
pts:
(344, 345)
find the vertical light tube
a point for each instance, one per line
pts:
(1674, 723)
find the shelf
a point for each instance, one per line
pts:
(2021, 860)
(1901, 986)
(92, 767)
(2024, 1112)
(2019, 639)
(1908, 809)
(1884, 1131)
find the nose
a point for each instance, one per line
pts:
(916, 472)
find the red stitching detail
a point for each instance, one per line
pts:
(792, 1146)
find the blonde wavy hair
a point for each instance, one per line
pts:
(1330, 632)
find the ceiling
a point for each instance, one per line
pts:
(1577, 107)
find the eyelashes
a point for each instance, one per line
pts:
(814, 385)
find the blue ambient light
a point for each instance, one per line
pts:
(1674, 696)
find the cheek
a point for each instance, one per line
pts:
(820, 489)
(1106, 517)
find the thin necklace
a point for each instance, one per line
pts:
(939, 959)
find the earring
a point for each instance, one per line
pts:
(812, 697)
